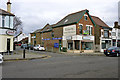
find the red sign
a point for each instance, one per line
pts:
(10, 32)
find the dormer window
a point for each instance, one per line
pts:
(66, 21)
(85, 17)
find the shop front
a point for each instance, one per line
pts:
(78, 44)
(6, 40)
(105, 43)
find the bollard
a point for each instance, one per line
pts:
(24, 53)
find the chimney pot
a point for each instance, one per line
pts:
(116, 25)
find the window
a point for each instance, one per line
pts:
(52, 34)
(106, 33)
(85, 17)
(89, 29)
(80, 29)
(3, 21)
(113, 33)
(87, 46)
(118, 34)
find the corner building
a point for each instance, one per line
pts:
(74, 32)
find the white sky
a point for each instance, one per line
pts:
(35, 14)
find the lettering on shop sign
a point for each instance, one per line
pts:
(69, 30)
(69, 37)
(10, 32)
(86, 38)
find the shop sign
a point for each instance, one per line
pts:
(56, 38)
(103, 41)
(56, 45)
(47, 39)
(69, 30)
(10, 32)
(33, 36)
(86, 38)
(85, 32)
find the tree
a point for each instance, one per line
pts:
(17, 23)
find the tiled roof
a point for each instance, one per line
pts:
(48, 27)
(38, 30)
(71, 18)
(99, 22)
(3, 12)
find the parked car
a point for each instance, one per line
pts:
(30, 47)
(24, 46)
(38, 47)
(112, 51)
(1, 58)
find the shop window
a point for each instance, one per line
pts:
(106, 33)
(80, 29)
(87, 45)
(103, 45)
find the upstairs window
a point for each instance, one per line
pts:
(89, 29)
(3, 21)
(52, 34)
(80, 28)
(86, 17)
(106, 33)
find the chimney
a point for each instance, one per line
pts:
(115, 24)
(8, 6)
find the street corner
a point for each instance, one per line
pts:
(28, 58)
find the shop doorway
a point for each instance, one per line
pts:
(60, 45)
(77, 45)
(8, 45)
(70, 46)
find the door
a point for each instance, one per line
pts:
(60, 45)
(8, 45)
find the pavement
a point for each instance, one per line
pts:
(30, 54)
(84, 54)
(18, 55)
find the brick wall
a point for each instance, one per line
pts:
(84, 22)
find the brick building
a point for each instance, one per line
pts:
(103, 37)
(35, 37)
(78, 32)
(74, 32)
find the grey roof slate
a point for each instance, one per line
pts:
(71, 18)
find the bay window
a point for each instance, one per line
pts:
(106, 33)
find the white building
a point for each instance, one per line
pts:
(20, 37)
(119, 12)
(116, 35)
(6, 29)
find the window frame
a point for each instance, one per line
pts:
(81, 29)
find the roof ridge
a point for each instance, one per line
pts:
(100, 20)
(71, 14)
(6, 11)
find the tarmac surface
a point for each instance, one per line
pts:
(62, 65)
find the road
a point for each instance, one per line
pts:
(63, 66)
